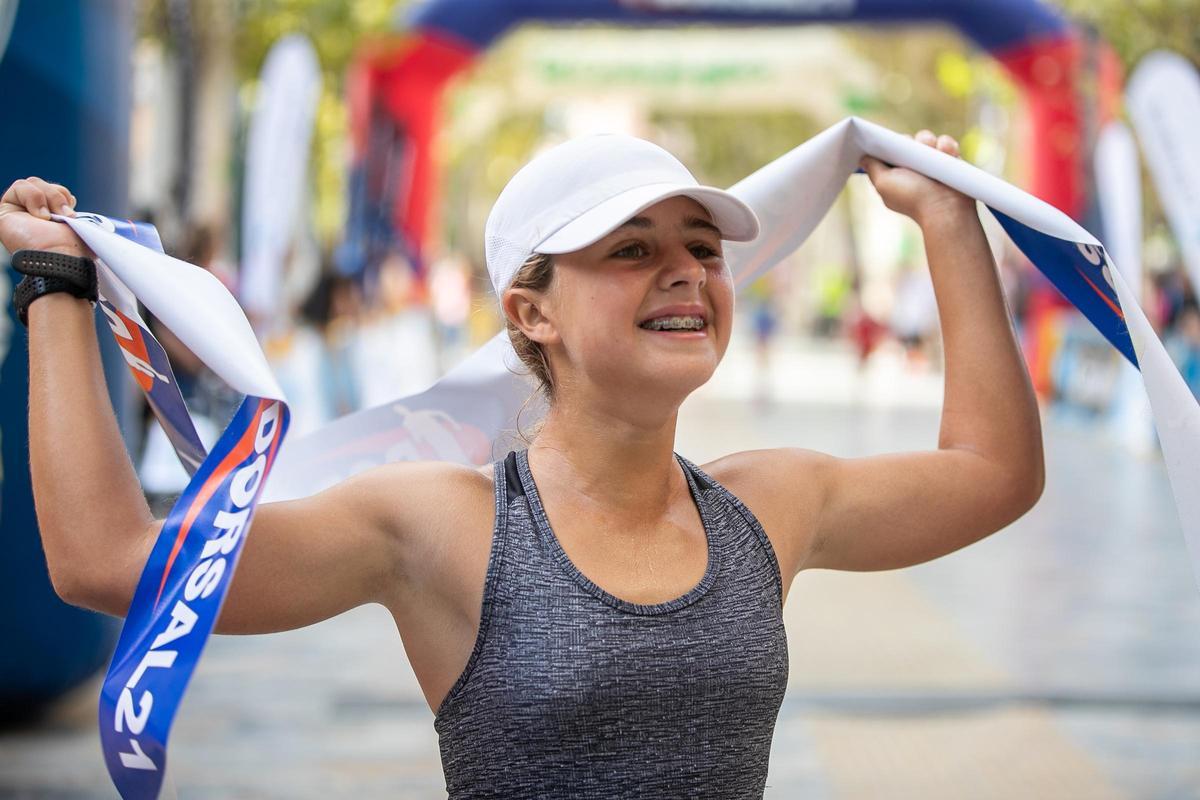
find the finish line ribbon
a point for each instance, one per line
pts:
(471, 414)
(184, 582)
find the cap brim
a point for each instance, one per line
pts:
(736, 220)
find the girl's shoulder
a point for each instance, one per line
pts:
(442, 515)
(784, 489)
(426, 503)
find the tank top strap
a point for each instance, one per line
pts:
(503, 473)
(711, 491)
(696, 476)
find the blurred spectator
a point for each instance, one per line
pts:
(1183, 344)
(450, 294)
(204, 246)
(914, 314)
(396, 348)
(333, 309)
(765, 322)
(1171, 292)
(832, 288)
(211, 402)
(864, 330)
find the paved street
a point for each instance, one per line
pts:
(1058, 659)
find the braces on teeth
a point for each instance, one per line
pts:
(674, 324)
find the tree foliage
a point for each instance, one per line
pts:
(336, 29)
(1134, 28)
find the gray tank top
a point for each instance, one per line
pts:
(572, 692)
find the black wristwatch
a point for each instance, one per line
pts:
(46, 272)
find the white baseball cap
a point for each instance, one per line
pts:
(578, 192)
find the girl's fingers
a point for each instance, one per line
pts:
(40, 198)
(59, 202)
(31, 196)
(64, 200)
(57, 196)
(948, 145)
(873, 167)
(926, 137)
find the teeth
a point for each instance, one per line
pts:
(674, 324)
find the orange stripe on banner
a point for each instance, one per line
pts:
(1116, 308)
(135, 345)
(235, 456)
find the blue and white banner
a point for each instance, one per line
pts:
(183, 584)
(145, 357)
(179, 597)
(471, 414)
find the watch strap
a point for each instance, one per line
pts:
(79, 271)
(34, 286)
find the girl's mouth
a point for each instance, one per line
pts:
(679, 323)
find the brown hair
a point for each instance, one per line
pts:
(536, 273)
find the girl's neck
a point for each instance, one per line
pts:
(603, 460)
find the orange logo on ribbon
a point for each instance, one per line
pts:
(133, 348)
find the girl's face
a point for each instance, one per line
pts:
(646, 309)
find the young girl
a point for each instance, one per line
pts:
(594, 616)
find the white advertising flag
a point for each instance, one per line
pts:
(1119, 190)
(276, 180)
(1163, 97)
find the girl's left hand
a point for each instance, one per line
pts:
(911, 193)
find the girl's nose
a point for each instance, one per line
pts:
(684, 269)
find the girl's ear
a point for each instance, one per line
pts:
(527, 310)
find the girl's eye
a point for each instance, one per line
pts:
(635, 250)
(703, 251)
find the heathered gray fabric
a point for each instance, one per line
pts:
(572, 692)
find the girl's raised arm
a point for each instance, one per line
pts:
(896, 510)
(304, 560)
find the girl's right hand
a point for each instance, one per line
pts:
(25, 222)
